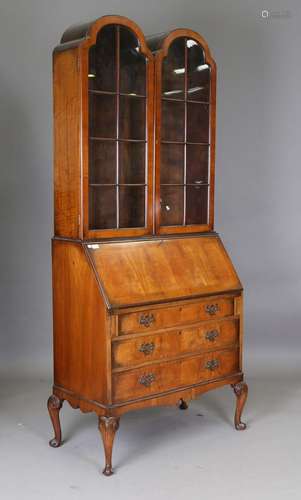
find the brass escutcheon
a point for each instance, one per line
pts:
(211, 335)
(147, 348)
(147, 379)
(211, 309)
(212, 364)
(146, 319)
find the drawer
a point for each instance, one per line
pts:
(161, 377)
(155, 319)
(209, 335)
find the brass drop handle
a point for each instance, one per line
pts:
(147, 379)
(147, 348)
(212, 364)
(211, 309)
(211, 335)
(146, 319)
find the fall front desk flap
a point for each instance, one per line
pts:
(161, 270)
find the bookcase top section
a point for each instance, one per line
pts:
(141, 272)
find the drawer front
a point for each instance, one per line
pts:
(156, 319)
(211, 335)
(161, 377)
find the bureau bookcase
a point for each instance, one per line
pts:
(147, 306)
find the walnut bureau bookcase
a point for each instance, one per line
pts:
(147, 306)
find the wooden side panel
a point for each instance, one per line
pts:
(81, 326)
(67, 154)
(238, 304)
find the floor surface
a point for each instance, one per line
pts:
(159, 453)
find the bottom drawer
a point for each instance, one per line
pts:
(161, 377)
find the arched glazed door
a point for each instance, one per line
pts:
(185, 132)
(119, 123)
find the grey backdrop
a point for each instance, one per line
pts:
(258, 156)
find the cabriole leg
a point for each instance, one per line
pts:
(54, 405)
(108, 427)
(241, 393)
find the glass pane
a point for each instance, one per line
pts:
(132, 117)
(198, 85)
(132, 206)
(173, 121)
(102, 162)
(196, 205)
(197, 164)
(172, 164)
(172, 199)
(102, 116)
(132, 163)
(174, 71)
(185, 77)
(197, 122)
(102, 57)
(132, 64)
(116, 125)
(102, 208)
